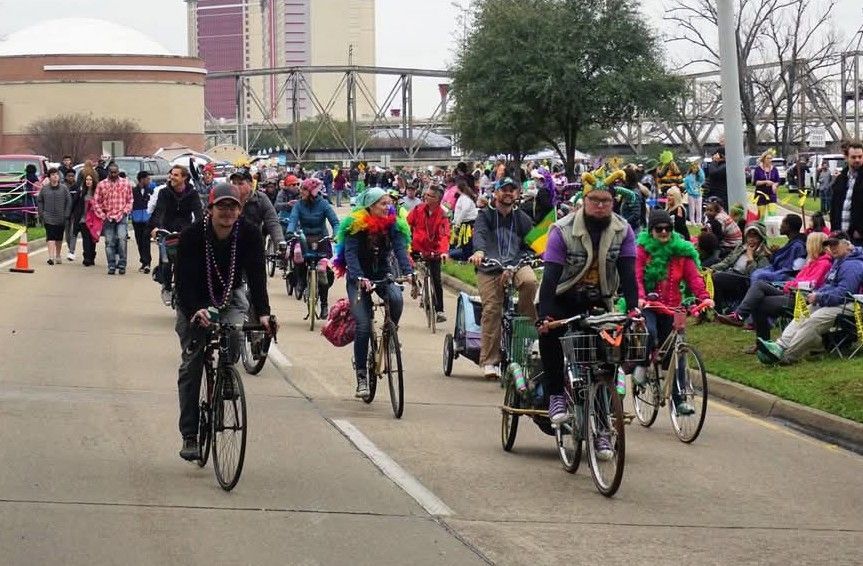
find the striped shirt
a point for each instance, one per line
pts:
(846, 206)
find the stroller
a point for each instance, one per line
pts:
(467, 334)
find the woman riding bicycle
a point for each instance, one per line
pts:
(365, 240)
(311, 214)
(664, 259)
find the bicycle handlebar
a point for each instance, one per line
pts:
(589, 322)
(165, 234)
(522, 262)
(662, 308)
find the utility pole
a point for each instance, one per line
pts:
(731, 107)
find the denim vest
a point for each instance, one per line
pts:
(579, 253)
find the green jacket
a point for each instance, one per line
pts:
(761, 256)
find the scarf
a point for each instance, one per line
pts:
(361, 221)
(661, 254)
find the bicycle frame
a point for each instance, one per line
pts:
(669, 347)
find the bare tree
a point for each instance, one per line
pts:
(81, 135)
(697, 22)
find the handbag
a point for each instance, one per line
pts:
(341, 326)
(93, 222)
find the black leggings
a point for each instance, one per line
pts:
(764, 301)
(434, 266)
(563, 306)
(729, 287)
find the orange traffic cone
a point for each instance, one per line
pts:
(22, 264)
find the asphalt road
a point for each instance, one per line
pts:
(88, 410)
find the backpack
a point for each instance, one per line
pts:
(341, 327)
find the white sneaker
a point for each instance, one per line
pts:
(489, 370)
(70, 256)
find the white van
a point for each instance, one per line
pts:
(835, 163)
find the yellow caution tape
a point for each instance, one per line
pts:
(858, 319)
(708, 281)
(18, 231)
(801, 202)
(801, 310)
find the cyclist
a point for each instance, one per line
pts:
(176, 209)
(214, 256)
(257, 208)
(589, 256)
(664, 259)
(287, 197)
(430, 239)
(499, 234)
(365, 240)
(311, 214)
(203, 181)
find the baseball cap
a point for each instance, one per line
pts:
(291, 180)
(224, 191)
(504, 182)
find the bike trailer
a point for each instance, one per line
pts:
(468, 329)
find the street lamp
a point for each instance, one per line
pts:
(731, 107)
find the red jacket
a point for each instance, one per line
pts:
(814, 272)
(429, 233)
(679, 269)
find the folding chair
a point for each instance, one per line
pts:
(845, 337)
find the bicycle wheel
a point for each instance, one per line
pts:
(448, 354)
(271, 259)
(693, 391)
(312, 296)
(395, 372)
(426, 299)
(509, 421)
(569, 436)
(229, 428)
(646, 398)
(604, 412)
(256, 346)
(371, 368)
(289, 281)
(204, 417)
(430, 312)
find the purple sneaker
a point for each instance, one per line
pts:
(557, 409)
(604, 452)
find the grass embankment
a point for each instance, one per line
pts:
(824, 382)
(792, 200)
(32, 234)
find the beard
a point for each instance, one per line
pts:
(595, 224)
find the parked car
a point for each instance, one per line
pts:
(779, 164)
(750, 162)
(157, 167)
(835, 163)
(17, 200)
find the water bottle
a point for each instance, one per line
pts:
(518, 377)
(620, 382)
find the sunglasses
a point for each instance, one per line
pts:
(665, 229)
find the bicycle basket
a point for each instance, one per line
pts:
(579, 348)
(523, 336)
(171, 245)
(635, 344)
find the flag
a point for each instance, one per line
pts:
(537, 238)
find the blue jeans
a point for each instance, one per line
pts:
(362, 311)
(115, 242)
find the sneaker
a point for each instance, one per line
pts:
(189, 451)
(730, 319)
(324, 311)
(639, 375)
(602, 445)
(362, 386)
(57, 260)
(557, 409)
(166, 297)
(684, 409)
(146, 269)
(491, 371)
(122, 271)
(440, 317)
(111, 271)
(141, 269)
(70, 256)
(50, 261)
(769, 352)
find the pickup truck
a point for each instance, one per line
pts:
(17, 196)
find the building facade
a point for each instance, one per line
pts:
(230, 35)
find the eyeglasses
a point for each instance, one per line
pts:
(599, 201)
(227, 205)
(662, 229)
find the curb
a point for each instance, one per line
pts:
(824, 426)
(12, 250)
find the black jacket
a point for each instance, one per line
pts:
(191, 275)
(840, 190)
(717, 177)
(176, 212)
(141, 197)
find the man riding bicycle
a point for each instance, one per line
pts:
(589, 256)
(365, 240)
(177, 207)
(311, 214)
(214, 256)
(499, 234)
(257, 208)
(430, 240)
(663, 260)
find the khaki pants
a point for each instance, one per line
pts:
(491, 291)
(800, 337)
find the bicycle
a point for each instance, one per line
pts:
(592, 352)
(426, 289)
(256, 344)
(167, 242)
(222, 417)
(312, 256)
(385, 353)
(674, 356)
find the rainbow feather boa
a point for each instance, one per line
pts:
(361, 221)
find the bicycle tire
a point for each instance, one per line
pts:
(371, 369)
(571, 430)
(606, 477)
(289, 287)
(509, 421)
(688, 427)
(229, 430)
(395, 380)
(432, 315)
(204, 419)
(426, 299)
(448, 354)
(251, 363)
(647, 398)
(271, 260)
(312, 296)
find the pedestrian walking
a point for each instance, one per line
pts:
(54, 205)
(112, 204)
(140, 218)
(71, 229)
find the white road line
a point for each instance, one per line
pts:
(9, 262)
(278, 357)
(428, 500)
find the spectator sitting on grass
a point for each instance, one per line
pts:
(731, 275)
(723, 226)
(708, 249)
(801, 336)
(764, 301)
(788, 259)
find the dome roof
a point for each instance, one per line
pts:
(85, 36)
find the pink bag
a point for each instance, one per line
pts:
(341, 327)
(93, 222)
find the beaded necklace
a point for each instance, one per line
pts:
(227, 280)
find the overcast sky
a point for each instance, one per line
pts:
(411, 33)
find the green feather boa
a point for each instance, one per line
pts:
(660, 254)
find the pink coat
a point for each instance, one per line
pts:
(679, 269)
(815, 272)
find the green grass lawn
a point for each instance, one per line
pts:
(813, 204)
(32, 234)
(824, 382)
